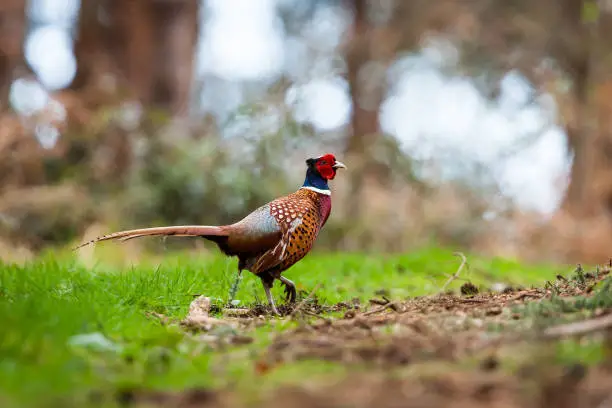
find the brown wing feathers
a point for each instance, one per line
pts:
(180, 231)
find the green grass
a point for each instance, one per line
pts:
(45, 304)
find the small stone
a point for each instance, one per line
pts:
(489, 364)
(499, 287)
(494, 311)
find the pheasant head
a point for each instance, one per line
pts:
(320, 170)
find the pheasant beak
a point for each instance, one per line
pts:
(338, 165)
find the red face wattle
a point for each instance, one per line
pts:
(325, 166)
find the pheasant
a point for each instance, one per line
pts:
(273, 237)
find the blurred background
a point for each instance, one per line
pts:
(484, 125)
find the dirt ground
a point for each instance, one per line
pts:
(445, 330)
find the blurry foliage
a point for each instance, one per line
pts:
(134, 158)
(136, 167)
(165, 174)
(45, 215)
(199, 181)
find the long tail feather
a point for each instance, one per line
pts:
(179, 231)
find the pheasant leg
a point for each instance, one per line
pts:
(290, 291)
(267, 287)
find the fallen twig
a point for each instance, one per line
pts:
(390, 305)
(325, 319)
(523, 295)
(378, 302)
(469, 300)
(303, 302)
(577, 328)
(456, 275)
(551, 333)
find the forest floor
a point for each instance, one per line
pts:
(416, 330)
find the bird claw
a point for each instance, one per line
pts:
(290, 293)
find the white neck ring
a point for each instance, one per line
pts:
(317, 190)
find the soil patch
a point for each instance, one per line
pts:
(387, 335)
(440, 327)
(565, 387)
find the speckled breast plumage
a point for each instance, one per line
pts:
(301, 216)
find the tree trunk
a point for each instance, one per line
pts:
(136, 50)
(371, 49)
(136, 27)
(96, 47)
(581, 142)
(589, 193)
(177, 37)
(12, 34)
(365, 102)
(588, 199)
(146, 49)
(364, 125)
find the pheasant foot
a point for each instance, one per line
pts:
(290, 291)
(270, 298)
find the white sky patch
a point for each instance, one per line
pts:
(323, 102)
(535, 177)
(426, 111)
(47, 135)
(56, 12)
(242, 40)
(28, 97)
(432, 114)
(515, 92)
(325, 30)
(48, 51)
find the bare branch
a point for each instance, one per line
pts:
(390, 305)
(579, 328)
(456, 275)
(303, 302)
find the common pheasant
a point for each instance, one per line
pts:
(272, 238)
